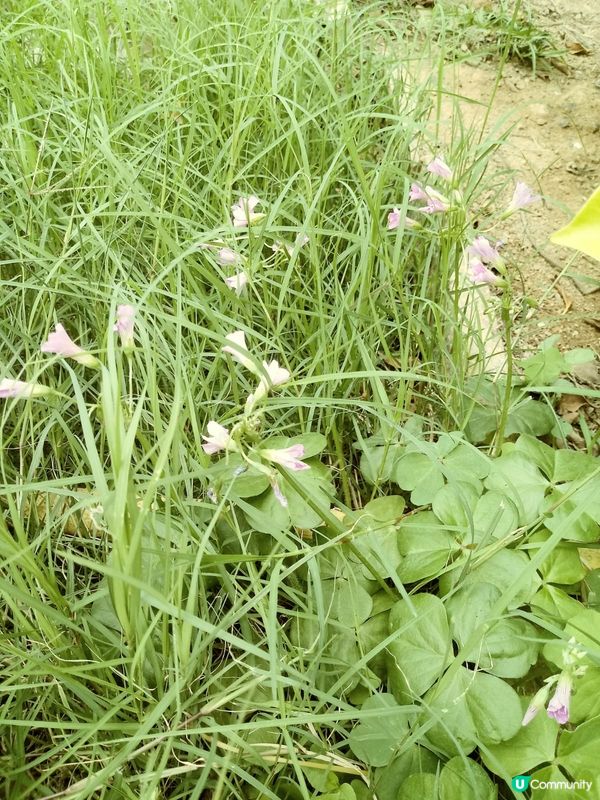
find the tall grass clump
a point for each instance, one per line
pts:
(163, 627)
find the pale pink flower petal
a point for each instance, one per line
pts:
(277, 375)
(11, 388)
(479, 273)
(281, 498)
(288, 457)
(125, 324)
(484, 251)
(435, 206)
(522, 197)
(239, 351)
(558, 707)
(237, 282)
(538, 701)
(393, 219)
(243, 213)
(218, 439)
(417, 193)
(439, 167)
(226, 257)
(60, 343)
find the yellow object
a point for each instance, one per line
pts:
(583, 232)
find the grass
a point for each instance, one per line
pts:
(152, 654)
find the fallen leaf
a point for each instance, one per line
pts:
(578, 49)
(569, 405)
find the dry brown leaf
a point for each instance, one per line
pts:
(578, 49)
(569, 405)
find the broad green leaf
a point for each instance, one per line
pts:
(584, 627)
(579, 355)
(378, 735)
(563, 565)
(463, 779)
(515, 476)
(585, 701)
(377, 463)
(453, 504)
(424, 546)
(506, 647)
(424, 786)
(530, 416)
(543, 368)
(370, 634)
(344, 792)
(423, 648)
(347, 601)
(416, 760)
(378, 543)
(570, 517)
(475, 707)
(421, 475)
(539, 453)
(583, 232)
(499, 570)
(572, 465)
(494, 517)
(386, 509)
(578, 750)
(555, 603)
(324, 780)
(532, 745)
(556, 778)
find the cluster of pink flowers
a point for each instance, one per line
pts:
(559, 706)
(483, 255)
(243, 215)
(59, 343)
(218, 438)
(437, 203)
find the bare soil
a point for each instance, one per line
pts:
(555, 147)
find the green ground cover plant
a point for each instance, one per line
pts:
(269, 528)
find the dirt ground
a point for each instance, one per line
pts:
(555, 147)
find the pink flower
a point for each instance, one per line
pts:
(275, 376)
(288, 457)
(479, 273)
(237, 282)
(483, 250)
(393, 219)
(124, 325)
(243, 213)
(440, 168)
(436, 202)
(435, 206)
(522, 197)
(239, 351)
(60, 343)
(558, 707)
(11, 388)
(218, 439)
(281, 498)
(226, 257)
(537, 703)
(417, 193)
